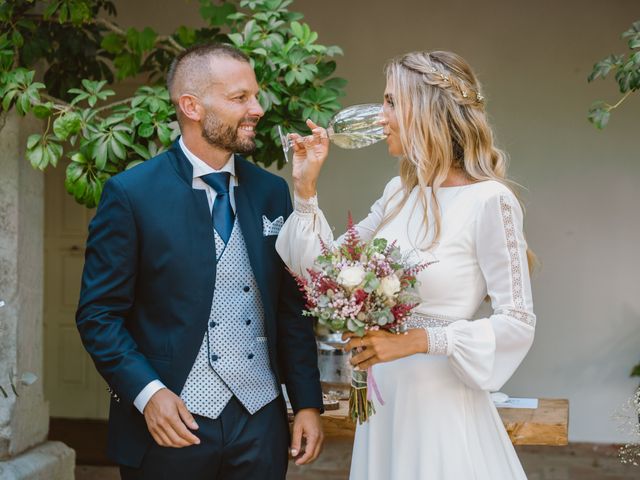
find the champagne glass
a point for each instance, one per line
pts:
(356, 126)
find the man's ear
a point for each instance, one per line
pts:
(190, 107)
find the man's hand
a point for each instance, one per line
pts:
(167, 420)
(307, 426)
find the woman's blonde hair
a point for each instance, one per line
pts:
(442, 125)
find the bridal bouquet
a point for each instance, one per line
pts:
(358, 286)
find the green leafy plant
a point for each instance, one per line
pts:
(626, 69)
(59, 60)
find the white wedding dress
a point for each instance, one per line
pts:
(438, 421)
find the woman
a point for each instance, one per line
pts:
(450, 203)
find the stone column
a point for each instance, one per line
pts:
(24, 418)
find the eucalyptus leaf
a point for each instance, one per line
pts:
(352, 325)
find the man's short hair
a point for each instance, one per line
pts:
(194, 58)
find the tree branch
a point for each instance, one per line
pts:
(611, 107)
(113, 105)
(110, 26)
(60, 104)
(177, 48)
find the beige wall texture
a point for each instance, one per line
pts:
(533, 58)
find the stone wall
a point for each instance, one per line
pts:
(24, 415)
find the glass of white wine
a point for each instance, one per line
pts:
(356, 126)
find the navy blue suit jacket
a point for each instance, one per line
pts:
(148, 284)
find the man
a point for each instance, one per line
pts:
(187, 309)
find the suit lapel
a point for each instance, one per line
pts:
(201, 228)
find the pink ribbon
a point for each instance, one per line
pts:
(372, 385)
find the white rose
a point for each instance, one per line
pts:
(350, 277)
(389, 286)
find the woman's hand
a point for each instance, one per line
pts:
(309, 153)
(381, 346)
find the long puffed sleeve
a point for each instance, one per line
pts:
(299, 241)
(485, 353)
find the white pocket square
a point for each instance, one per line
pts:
(271, 227)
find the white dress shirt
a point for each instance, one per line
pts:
(200, 168)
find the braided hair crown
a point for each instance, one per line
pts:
(448, 72)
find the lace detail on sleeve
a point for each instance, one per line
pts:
(309, 205)
(519, 312)
(438, 343)
(519, 315)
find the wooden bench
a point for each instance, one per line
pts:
(546, 425)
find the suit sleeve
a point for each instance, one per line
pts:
(107, 296)
(297, 349)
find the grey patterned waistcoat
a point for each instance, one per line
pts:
(234, 357)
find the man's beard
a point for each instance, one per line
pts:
(225, 136)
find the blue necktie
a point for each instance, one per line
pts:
(222, 212)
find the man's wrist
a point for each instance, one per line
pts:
(147, 392)
(309, 409)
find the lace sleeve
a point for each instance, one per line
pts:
(516, 248)
(485, 353)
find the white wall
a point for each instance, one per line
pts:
(533, 58)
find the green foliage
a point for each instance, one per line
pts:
(84, 52)
(636, 371)
(62, 35)
(626, 70)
